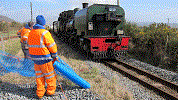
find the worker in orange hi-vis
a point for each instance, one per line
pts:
(43, 51)
(23, 35)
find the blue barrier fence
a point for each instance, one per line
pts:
(25, 67)
(11, 63)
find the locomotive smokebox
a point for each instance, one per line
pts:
(85, 5)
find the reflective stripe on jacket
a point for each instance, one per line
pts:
(25, 37)
(42, 47)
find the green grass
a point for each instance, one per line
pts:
(14, 47)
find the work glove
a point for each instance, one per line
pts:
(54, 59)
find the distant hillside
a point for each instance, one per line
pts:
(7, 19)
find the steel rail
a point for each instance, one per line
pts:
(134, 73)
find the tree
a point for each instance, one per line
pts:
(13, 24)
(155, 42)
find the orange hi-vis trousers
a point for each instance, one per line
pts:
(46, 73)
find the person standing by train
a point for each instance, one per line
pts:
(43, 51)
(23, 35)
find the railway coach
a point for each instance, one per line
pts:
(97, 29)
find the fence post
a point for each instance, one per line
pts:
(10, 41)
(2, 43)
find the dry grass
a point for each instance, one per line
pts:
(110, 89)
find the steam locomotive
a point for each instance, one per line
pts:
(97, 29)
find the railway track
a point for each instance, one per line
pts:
(164, 88)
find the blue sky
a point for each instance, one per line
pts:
(136, 10)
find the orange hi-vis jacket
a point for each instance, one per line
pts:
(42, 47)
(23, 33)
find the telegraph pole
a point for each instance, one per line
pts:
(31, 11)
(167, 38)
(168, 21)
(118, 2)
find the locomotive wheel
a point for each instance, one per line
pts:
(65, 39)
(117, 56)
(110, 54)
(95, 57)
(72, 41)
(121, 55)
(86, 49)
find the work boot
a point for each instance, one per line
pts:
(55, 94)
(36, 97)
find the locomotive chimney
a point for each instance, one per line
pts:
(85, 5)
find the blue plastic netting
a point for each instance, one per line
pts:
(25, 67)
(11, 63)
